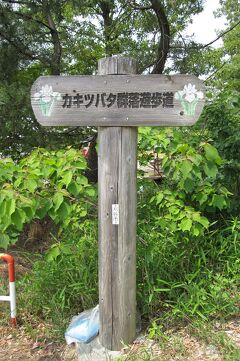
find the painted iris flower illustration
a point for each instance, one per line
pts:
(47, 97)
(189, 98)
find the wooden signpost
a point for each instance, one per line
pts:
(117, 101)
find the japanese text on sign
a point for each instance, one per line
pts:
(121, 100)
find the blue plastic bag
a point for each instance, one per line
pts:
(84, 327)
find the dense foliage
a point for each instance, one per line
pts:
(44, 183)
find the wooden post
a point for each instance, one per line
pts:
(117, 242)
(117, 101)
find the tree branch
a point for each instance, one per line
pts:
(135, 6)
(57, 49)
(211, 42)
(164, 43)
(106, 7)
(221, 35)
(29, 17)
(216, 71)
(118, 21)
(16, 2)
(19, 48)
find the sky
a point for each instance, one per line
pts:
(204, 25)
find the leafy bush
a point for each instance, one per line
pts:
(222, 124)
(44, 183)
(187, 264)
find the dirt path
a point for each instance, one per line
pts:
(16, 345)
(222, 344)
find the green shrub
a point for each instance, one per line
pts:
(44, 183)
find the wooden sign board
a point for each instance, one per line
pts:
(118, 100)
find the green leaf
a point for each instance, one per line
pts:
(162, 289)
(7, 208)
(63, 211)
(152, 199)
(172, 225)
(91, 192)
(197, 170)
(10, 207)
(174, 210)
(82, 180)
(159, 198)
(201, 197)
(211, 154)
(57, 200)
(44, 207)
(219, 201)
(196, 216)
(2, 207)
(53, 253)
(4, 241)
(75, 188)
(204, 222)
(81, 164)
(189, 185)
(162, 223)
(29, 212)
(17, 182)
(83, 213)
(185, 224)
(18, 219)
(67, 177)
(210, 169)
(182, 148)
(66, 249)
(53, 215)
(186, 168)
(31, 185)
(195, 231)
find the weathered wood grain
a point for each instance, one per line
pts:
(117, 243)
(113, 115)
(108, 168)
(127, 236)
(114, 66)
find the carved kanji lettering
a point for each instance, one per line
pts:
(168, 100)
(145, 100)
(122, 100)
(134, 100)
(156, 99)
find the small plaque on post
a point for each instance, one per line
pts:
(115, 214)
